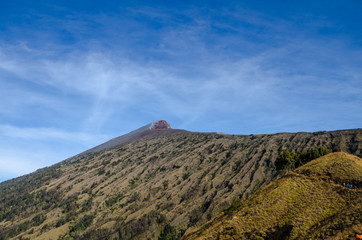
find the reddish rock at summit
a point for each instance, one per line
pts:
(160, 125)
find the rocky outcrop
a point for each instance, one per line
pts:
(162, 124)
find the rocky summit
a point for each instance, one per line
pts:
(162, 124)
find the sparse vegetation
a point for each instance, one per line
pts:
(168, 233)
(82, 224)
(127, 192)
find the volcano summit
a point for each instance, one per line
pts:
(132, 136)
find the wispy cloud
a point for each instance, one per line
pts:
(114, 84)
(46, 134)
(90, 76)
(24, 150)
(15, 163)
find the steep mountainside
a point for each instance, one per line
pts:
(132, 136)
(157, 183)
(310, 203)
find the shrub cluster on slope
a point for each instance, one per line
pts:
(288, 160)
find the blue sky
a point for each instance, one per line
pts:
(74, 74)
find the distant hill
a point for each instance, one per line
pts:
(309, 203)
(153, 183)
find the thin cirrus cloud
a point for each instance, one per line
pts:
(44, 134)
(123, 82)
(126, 82)
(24, 150)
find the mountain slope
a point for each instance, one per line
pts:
(161, 182)
(132, 136)
(310, 203)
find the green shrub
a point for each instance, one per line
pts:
(290, 160)
(168, 233)
(82, 223)
(185, 176)
(285, 160)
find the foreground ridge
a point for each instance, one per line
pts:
(313, 202)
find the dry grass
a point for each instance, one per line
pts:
(296, 206)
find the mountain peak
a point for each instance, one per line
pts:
(131, 136)
(161, 124)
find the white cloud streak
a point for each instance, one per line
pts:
(187, 72)
(46, 134)
(115, 84)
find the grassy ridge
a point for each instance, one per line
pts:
(339, 167)
(297, 206)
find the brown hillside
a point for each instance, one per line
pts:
(161, 182)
